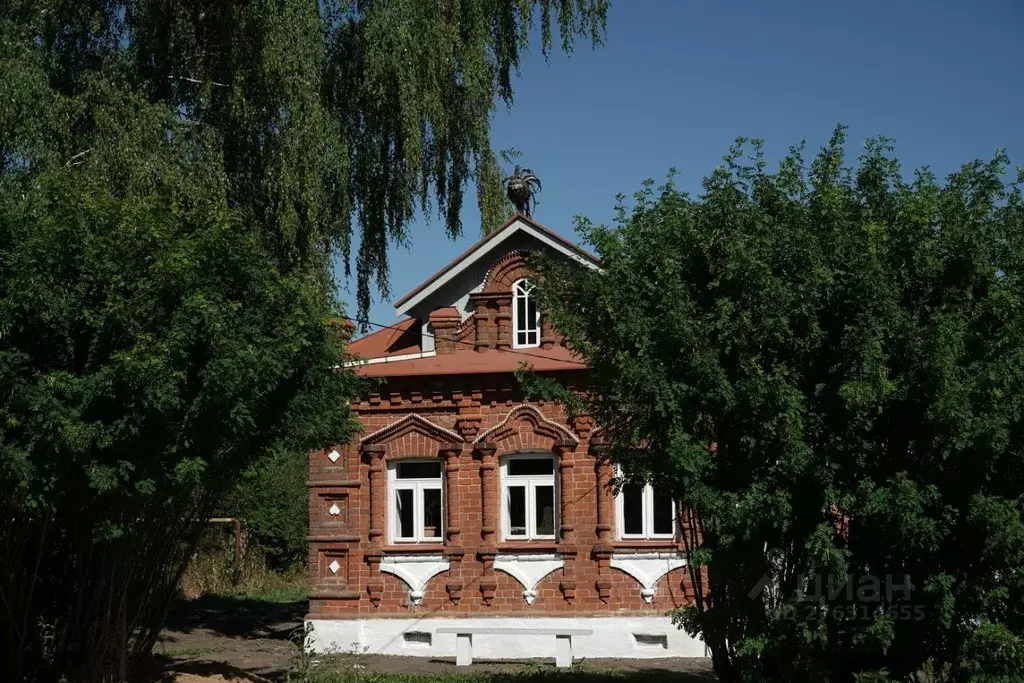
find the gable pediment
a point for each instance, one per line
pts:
(412, 423)
(471, 270)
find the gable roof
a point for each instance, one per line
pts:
(516, 224)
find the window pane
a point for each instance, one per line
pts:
(517, 510)
(520, 313)
(664, 520)
(531, 313)
(418, 470)
(545, 498)
(530, 466)
(404, 505)
(632, 509)
(431, 513)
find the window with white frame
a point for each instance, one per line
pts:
(528, 496)
(414, 489)
(526, 315)
(645, 512)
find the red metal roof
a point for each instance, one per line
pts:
(396, 340)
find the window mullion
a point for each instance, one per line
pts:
(417, 515)
(531, 510)
(648, 511)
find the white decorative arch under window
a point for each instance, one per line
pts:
(525, 315)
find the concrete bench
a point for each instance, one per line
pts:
(464, 640)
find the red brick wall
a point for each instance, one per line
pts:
(455, 411)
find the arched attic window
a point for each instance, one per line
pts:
(525, 315)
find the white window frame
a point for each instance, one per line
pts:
(524, 290)
(648, 517)
(531, 482)
(418, 486)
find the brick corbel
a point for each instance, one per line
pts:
(583, 425)
(375, 586)
(468, 426)
(488, 583)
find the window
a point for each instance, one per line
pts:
(645, 512)
(528, 497)
(415, 492)
(526, 315)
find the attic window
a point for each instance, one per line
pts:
(526, 318)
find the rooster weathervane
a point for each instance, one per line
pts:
(522, 187)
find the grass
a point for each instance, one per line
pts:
(212, 573)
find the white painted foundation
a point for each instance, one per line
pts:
(613, 637)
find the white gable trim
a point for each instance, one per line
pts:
(518, 226)
(387, 359)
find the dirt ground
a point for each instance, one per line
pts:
(219, 640)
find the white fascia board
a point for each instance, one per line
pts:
(519, 226)
(389, 359)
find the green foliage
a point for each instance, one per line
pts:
(271, 500)
(993, 653)
(827, 362)
(176, 181)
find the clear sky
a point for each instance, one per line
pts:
(679, 80)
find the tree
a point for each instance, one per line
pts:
(176, 180)
(828, 365)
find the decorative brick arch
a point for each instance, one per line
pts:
(547, 430)
(505, 271)
(415, 429)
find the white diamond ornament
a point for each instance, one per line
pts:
(333, 456)
(334, 567)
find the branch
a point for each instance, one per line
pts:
(196, 80)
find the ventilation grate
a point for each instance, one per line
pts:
(651, 641)
(418, 638)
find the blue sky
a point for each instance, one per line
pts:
(679, 80)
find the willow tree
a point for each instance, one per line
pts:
(176, 180)
(826, 362)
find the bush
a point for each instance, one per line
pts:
(212, 572)
(271, 500)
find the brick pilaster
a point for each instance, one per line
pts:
(375, 534)
(454, 504)
(605, 509)
(489, 525)
(565, 450)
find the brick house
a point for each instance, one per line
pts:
(461, 500)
